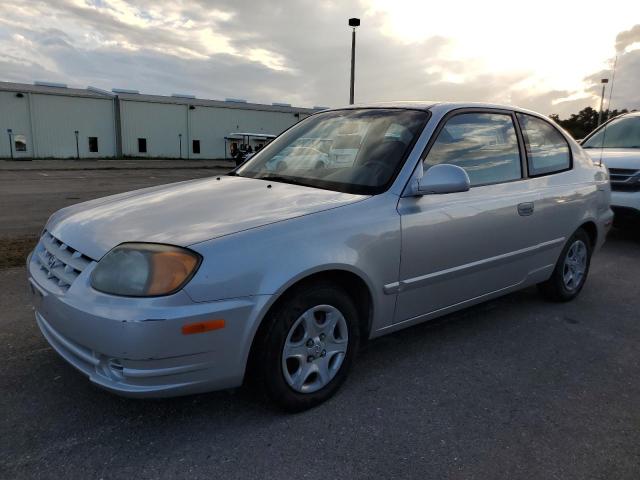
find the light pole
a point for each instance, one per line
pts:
(353, 23)
(604, 82)
(9, 132)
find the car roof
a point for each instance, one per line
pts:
(630, 114)
(432, 105)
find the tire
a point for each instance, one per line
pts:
(294, 365)
(573, 263)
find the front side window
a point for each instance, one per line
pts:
(547, 150)
(484, 144)
(353, 151)
(623, 132)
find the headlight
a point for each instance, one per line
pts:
(144, 270)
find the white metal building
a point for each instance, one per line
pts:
(40, 121)
(53, 121)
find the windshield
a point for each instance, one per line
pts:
(353, 151)
(622, 132)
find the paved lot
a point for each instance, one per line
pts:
(514, 389)
(29, 196)
(110, 164)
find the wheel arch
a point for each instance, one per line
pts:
(592, 231)
(353, 282)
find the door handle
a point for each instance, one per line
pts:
(525, 209)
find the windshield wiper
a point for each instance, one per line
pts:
(281, 179)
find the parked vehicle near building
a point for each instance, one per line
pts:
(277, 276)
(617, 145)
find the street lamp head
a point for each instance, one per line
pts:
(604, 80)
(354, 22)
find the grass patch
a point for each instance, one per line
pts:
(14, 251)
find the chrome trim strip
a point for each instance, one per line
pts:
(423, 280)
(425, 316)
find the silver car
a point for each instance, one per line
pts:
(277, 277)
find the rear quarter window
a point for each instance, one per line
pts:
(547, 150)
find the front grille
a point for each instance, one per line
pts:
(61, 263)
(620, 175)
(624, 187)
(624, 179)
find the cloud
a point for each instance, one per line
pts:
(627, 38)
(626, 93)
(294, 51)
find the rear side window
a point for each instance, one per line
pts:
(484, 144)
(547, 150)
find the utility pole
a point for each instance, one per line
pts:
(9, 132)
(604, 82)
(353, 22)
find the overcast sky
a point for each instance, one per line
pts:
(544, 55)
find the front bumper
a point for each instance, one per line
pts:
(626, 203)
(135, 347)
(626, 199)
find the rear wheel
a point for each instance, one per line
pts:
(307, 347)
(570, 273)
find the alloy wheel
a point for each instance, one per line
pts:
(575, 265)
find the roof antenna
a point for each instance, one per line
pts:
(604, 134)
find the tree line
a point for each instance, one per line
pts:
(580, 124)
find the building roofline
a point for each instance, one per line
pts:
(130, 96)
(201, 102)
(52, 90)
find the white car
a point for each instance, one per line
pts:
(297, 158)
(617, 144)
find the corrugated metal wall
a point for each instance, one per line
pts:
(14, 115)
(56, 118)
(161, 124)
(48, 123)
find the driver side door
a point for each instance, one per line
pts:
(461, 247)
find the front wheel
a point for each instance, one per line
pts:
(307, 347)
(570, 273)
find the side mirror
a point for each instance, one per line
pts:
(443, 178)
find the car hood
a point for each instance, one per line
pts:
(616, 157)
(187, 212)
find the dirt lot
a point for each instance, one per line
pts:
(29, 196)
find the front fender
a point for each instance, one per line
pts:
(361, 238)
